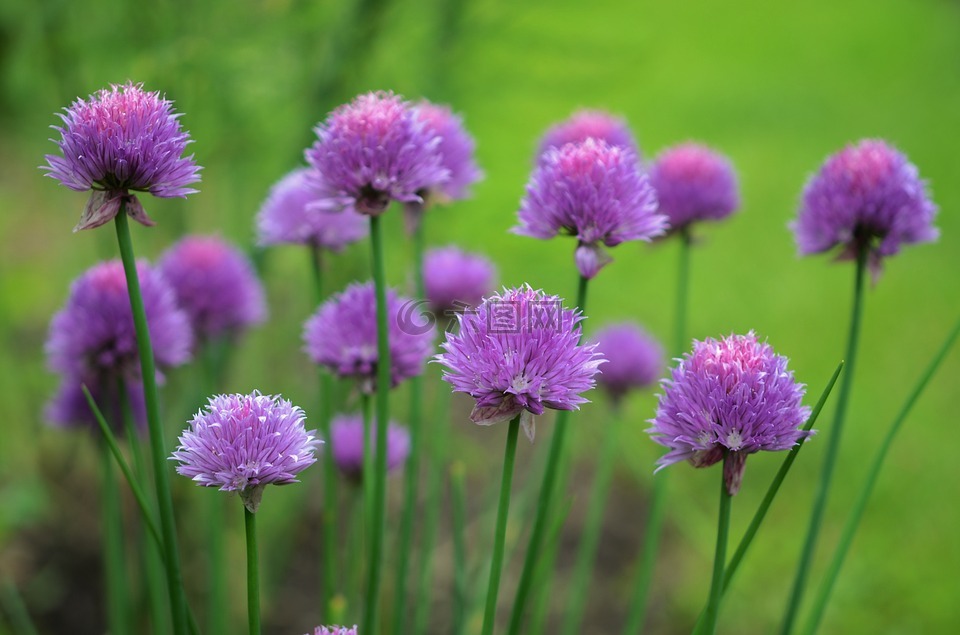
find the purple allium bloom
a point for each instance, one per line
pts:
(342, 335)
(594, 191)
(334, 630)
(587, 124)
(866, 195)
(215, 284)
(732, 396)
(518, 354)
(634, 359)
(69, 407)
(456, 150)
(346, 445)
(694, 183)
(122, 139)
(244, 442)
(93, 336)
(372, 151)
(287, 217)
(455, 280)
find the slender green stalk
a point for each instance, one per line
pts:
(368, 464)
(716, 583)
(383, 416)
(551, 547)
(253, 572)
(158, 453)
(118, 618)
(856, 514)
(458, 482)
(833, 445)
(16, 610)
(499, 537)
(548, 486)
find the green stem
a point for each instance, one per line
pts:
(856, 514)
(158, 453)
(833, 445)
(499, 537)
(716, 584)
(253, 572)
(383, 416)
(544, 510)
(683, 290)
(113, 557)
(458, 482)
(15, 609)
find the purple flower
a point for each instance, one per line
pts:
(215, 284)
(372, 151)
(122, 139)
(456, 150)
(694, 183)
(455, 280)
(342, 335)
(287, 217)
(593, 191)
(244, 442)
(346, 445)
(634, 359)
(732, 397)
(518, 354)
(69, 407)
(867, 195)
(93, 337)
(589, 124)
(334, 630)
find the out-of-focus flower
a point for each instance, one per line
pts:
(244, 442)
(69, 407)
(120, 140)
(456, 151)
(342, 335)
(334, 630)
(346, 444)
(287, 217)
(518, 354)
(729, 397)
(589, 124)
(595, 192)
(634, 359)
(694, 183)
(455, 280)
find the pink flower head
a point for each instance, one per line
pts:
(589, 124)
(455, 280)
(346, 445)
(693, 184)
(634, 359)
(456, 150)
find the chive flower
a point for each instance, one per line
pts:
(589, 124)
(694, 184)
(456, 151)
(346, 441)
(456, 280)
(334, 630)
(69, 408)
(634, 359)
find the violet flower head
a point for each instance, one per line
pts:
(694, 183)
(342, 335)
(334, 630)
(242, 443)
(93, 337)
(518, 353)
(372, 151)
(732, 397)
(456, 150)
(287, 217)
(69, 407)
(216, 285)
(634, 359)
(346, 445)
(120, 140)
(455, 280)
(867, 195)
(595, 192)
(589, 124)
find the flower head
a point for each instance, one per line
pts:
(732, 397)
(346, 445)
(867, 195)
(694, 183)
(69, 407)
(593, 191)
(122, 139)
(287, 217)
(372, 151)
(342, 335)
(587, 124)
(518, 354)
(634, 359)
(243, 442)
(334, 630)
(215, 284)
(456, 150)
(455, 280)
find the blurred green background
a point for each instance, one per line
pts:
(776, 86)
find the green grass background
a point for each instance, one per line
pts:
(776, 86)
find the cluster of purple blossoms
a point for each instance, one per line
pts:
(455, 280)
(589, 124)
(244, 442)
(518, 354)
(346, 442)
(342, 335)
(595, 192)
(867, 196)
(726, 399)
(634, 359)
(121, 140)
(334, 630)
(216, 285)
(287, 217)
(693, 184)
(372, 151)
(456, 152)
